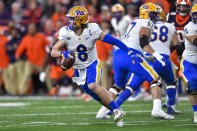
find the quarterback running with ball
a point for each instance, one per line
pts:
(79, 36)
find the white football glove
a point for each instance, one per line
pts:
(159, 58)
(42, 76)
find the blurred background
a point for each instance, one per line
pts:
(28, 31)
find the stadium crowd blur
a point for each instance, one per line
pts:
(28, 30)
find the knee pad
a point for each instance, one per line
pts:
(192, 92)
(115, 89)
(192, 87)
(131, 90)
(156, 83)
(171, 86)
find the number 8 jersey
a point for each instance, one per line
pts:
(132, 35)
(82, 45)
(161, 37)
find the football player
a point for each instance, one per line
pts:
(164, 36)
(79, 36)
(137, 38)
(189, 60)
(119, 20)
(179, 19)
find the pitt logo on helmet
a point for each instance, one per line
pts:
(149, 11)
(77, 16)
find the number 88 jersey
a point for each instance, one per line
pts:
(82, 45)
(161, 37)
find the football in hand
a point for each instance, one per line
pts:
(68, 63)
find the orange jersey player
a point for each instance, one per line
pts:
(179, 19)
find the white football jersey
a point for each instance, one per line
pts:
(190, 52)
(120, 27)
(82, 45)
(161, 37)
(132, 35)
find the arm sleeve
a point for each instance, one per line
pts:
(113, 41)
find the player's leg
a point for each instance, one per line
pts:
(167, 72)
(189, 76)
(100, 93)
(146, 70)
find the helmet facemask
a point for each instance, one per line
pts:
(183, 10)
(154, 16)
(71, 22)
(118, 15)
(194, 17)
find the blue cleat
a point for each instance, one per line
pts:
(172, 110)
(164, 105)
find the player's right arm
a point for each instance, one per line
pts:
(57, 49)
(145, 34)
(144, 40)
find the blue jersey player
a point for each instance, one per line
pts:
(137, 38)
(80, 36)
(189, 60)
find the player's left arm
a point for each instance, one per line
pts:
(111, 40)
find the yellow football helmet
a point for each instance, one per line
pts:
(117, 11)
(161, 13)
(194, 13)
(149, 11)
(78, 15)
(117, 8)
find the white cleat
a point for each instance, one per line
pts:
(161, 114)
(195, 117)
(118, 114)
(102, 113)
(120, 123)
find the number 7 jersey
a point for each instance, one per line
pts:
(132, 35)
(82, 45)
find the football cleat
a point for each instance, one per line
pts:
(138, 95)
(164, 105)
(173, 110)
(195, 117)
(161, 114)
(120, 123)
(102, 113)
(118, 114)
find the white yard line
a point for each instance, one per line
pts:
(184, 98)
(130, 123)
(71, 113)
(78, 106)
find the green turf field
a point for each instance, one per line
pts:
(77, 115)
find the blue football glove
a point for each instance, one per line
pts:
(133, 56)
(65, 54)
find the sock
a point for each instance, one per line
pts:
(194, 108)
(113, 105)
(123, 97)
(156, 104)
(171, 92)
